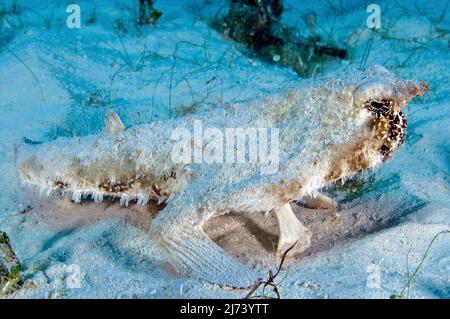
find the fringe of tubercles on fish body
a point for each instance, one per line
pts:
(77, 195)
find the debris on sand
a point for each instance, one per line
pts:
(257, 25)
(10, 278)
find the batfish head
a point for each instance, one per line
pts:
(377, 100)
(384, 96)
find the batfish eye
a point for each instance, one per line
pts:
(376, 105)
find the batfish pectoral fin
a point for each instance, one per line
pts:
(181, 240)
(294, 236)
(113, 124)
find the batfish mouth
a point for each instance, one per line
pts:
(389, 125)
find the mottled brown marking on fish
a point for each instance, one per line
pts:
(115, 187)
(285, 191)
(388, 124)
(60, 184)
(335, 173)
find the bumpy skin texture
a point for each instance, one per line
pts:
(329, 128)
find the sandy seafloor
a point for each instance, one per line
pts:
(56, 81)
